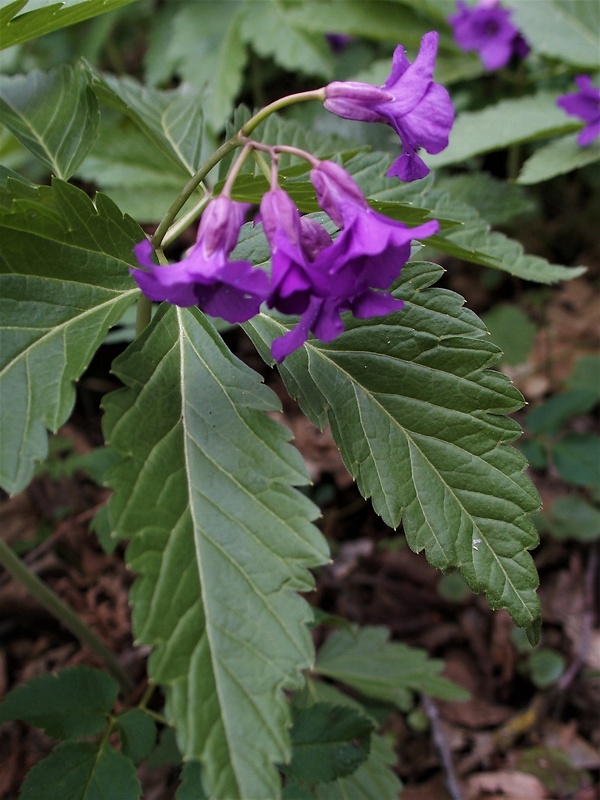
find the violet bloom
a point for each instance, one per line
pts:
(319, 278)
(487, 29)
(419, 110)
(584, 104)
(232, 290)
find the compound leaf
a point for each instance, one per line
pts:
(82, 771)
(73, 704)
(68, 258)
(221, 543)
(420, 420)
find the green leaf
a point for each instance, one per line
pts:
(373, 780)
(572, 517)
(496, 201)
(560, 156)
(420, 420)
(173, 120)
(73, 704)
(328, 742)
(270, 30)
(221, 543)
(191, 783)
(585, 374)
(137, 730)
(512, 330)
(576, 459)
(366, 660)
(568, 30)
(54, 115)
(68, 258)
(545, 667)
(551, 416)
(22, 20)
(82, 771)
(506, 123)
(205, 49)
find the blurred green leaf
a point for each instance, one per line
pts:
(82, 771)
(73, 704)
(577, 459)
(586, 374)
(190, 787)
(554, 769)
(513, 332)
(54, 115)
(560, 156)
(572, 517)
(328, 742)
(550, 417)
(545, 667)
(137, 730)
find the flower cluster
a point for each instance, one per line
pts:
(585, 104)
(487, 29)
(312, 274)
(419, 110)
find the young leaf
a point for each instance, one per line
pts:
(420, 420)
(53, 114)
(137, 730)
(560, 156)
(71, 705)
(82, 771)
(68, 258)
(22, 20)
(221, 543)
(328, 742)
(364, 659)
(508, 122)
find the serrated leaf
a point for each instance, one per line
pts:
(365, 659)
(68, 258)
(173, 120)
(73, 704)
(420, 420)
(560, 156)
(221, 544)
(501, 125)
(82, 771)
(269, 28)
(328, 742)
(22, 20)
(53, 114)
(137, 730)
(496, 201)
(373, 780)
(568, 30)
(190, 787)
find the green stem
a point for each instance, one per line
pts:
(143, 313)
(52, 603)
(283, 102)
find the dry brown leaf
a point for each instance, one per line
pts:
(508, 785)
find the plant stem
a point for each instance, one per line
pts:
(143, 313)
(52, 603)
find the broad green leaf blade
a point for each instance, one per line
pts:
(373, 780)
(82, 771)
(191, 783)
(364, 659)
(137, 731)
(221, 543)
(28, 19)
(560, 156)
(67, 258)
(71, 705)
(173, 120)
(420, 420)
(568, 30)
(328, 742)
(269, 28)
(506, 123)
(53, 114)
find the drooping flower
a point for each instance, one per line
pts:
(232, 290)
(487, 28)
(419, 110)
(584, 104)
(319, 278)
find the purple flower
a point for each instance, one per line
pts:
(487, 29)
(419, 110)
(319, 278)
(584, 104)
(232, 290)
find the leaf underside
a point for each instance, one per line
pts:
(221, 543)
(420, 420)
